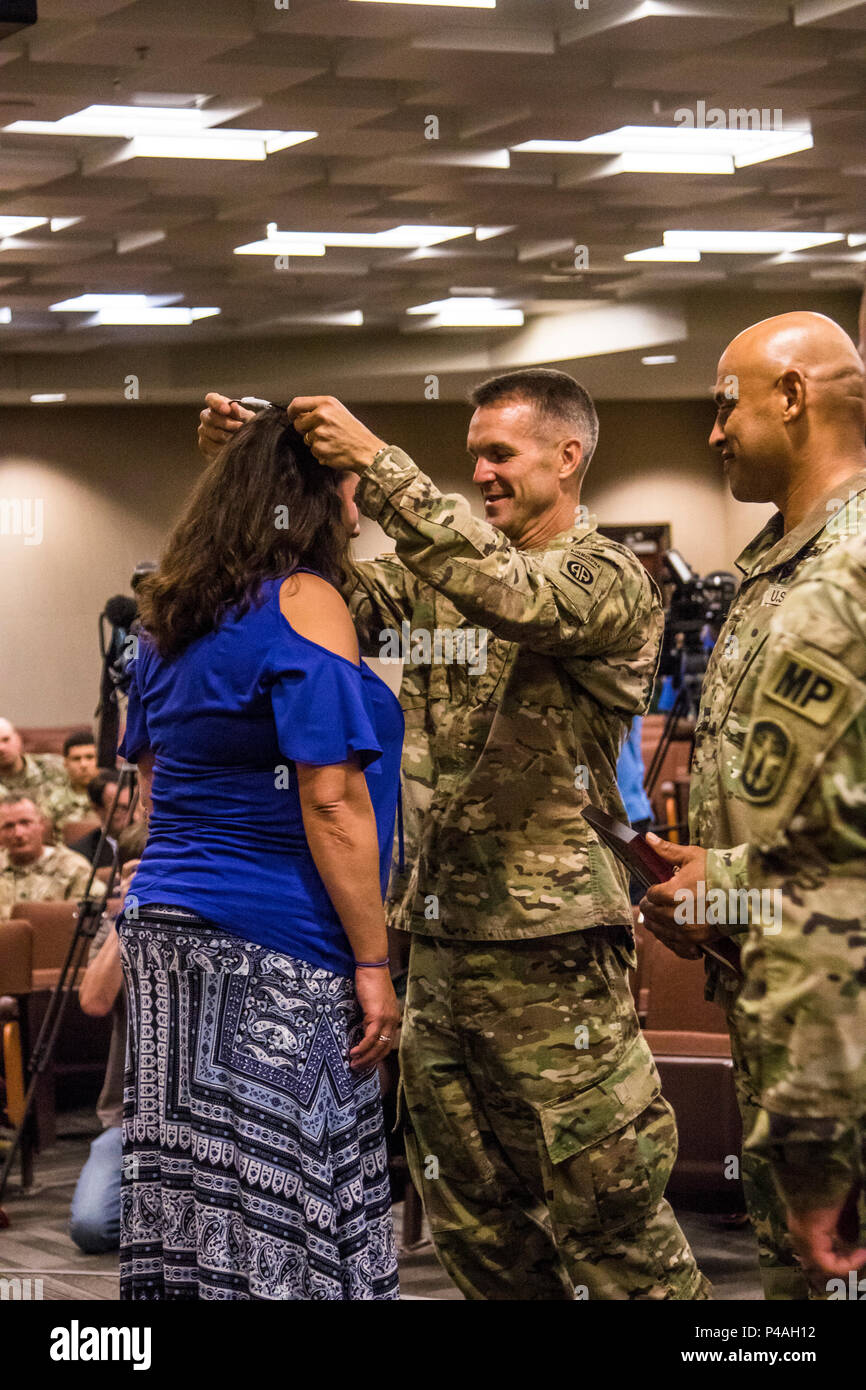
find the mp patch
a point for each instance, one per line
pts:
(766, 759)
(804, 687)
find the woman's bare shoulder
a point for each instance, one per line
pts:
(317, 611)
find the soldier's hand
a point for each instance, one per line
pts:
(665, 902)
(220, 419)
(822, 1239)
(337, 439)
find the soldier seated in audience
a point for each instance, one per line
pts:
(33, 775)
(70, 801)
(113, 814)
(31, 871)
(94, 1219)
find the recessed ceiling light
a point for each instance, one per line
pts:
(5, 315)
(661, 148)
(470, 312)
(167, 132)
(408, 236)
(749, 243)
(118, 309)
(48, 398)
(12, 226)
(664, 253)
(661, 359)
(453, 4)
(486, 233)
(148, 316)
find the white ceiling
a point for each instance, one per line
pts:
(366, 77)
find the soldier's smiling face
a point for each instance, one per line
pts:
(518, 464)
(748, 432)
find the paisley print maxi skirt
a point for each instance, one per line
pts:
(254, 1162)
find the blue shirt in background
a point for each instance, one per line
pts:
(630, 775)
(226, 720)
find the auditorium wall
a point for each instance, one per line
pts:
(93, 490)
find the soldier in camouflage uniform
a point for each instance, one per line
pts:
(30, 871)
(71, 802)
(539, 1139)
(790, 428)
(802, 1010)
(35, 775)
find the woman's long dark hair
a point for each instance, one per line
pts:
(263, 507)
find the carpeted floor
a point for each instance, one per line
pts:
(36, 1243)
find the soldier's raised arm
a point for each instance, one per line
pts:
(587, 598)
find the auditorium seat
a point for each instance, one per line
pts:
(36, 941)
(76, 829)
(689, 1039)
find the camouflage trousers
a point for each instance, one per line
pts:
(537, 1135)
(782, 1276)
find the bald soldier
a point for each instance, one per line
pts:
(538, 1136)
(802, 1009)
(789, 428)
(36, 775)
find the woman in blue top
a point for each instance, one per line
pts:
(253, 937)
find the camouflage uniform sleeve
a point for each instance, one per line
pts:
(79, 878)
(381, 594)
(803, 1005)
(729, 869)
(569, 602)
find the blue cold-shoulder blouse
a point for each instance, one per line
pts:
(226, 720)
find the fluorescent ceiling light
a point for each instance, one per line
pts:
(217, 144)
(452, 4)
(664, 253)
(275, 246)
(660, 359)
(749, 243)
(87, 303)
(856, 238)
(158, 317)
(486, 233)
(469, 312)
(648, 162)
(171, 132)
(131, 309)
(48, 398)
(735, 148)
(408, 236)
(5, 315)
(11, 226)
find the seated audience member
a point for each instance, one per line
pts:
(101, 792)
(29, 870)
(33, 775)
(94, 1218)
(70, 801)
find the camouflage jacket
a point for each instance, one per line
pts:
(802, 1010)
(729, 779)
(523, 671)
(58, 873)
(42, 774)
(66, 803)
